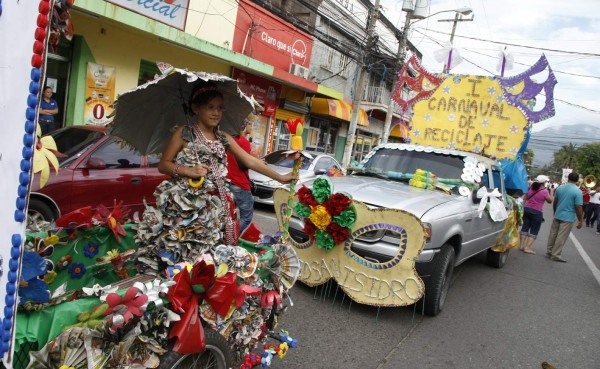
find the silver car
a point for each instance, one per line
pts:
(454, 229)
(313, 165)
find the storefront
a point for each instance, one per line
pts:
(328, 127)
(266, 93)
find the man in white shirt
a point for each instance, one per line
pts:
(594, 204)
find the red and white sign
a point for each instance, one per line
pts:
(264, 91)
(272, 40)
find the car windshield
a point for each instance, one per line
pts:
(407, 162)
(280, 159)
(71, 141)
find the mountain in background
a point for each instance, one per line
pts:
(546, 142)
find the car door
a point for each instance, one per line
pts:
(484, 230)
(110, 172)
(154, 177)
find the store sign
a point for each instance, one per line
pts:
(170, 12)
(99, 93)
(264, 91)
(269, 38)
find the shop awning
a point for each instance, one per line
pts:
(400, 130)
(338, 109)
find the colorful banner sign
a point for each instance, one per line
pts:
(270, 39)
(170, 12)
(469, 113)
(99, 93)
(485, 115)
(264, 91)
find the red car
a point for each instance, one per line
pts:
(97, 170)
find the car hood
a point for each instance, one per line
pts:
(259, 178)
(390, 194)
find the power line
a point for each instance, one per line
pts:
(517, 45)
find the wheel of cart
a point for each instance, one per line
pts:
(217, 355)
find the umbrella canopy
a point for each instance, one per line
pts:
(145, 116)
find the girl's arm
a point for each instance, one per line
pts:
(255, 164)
(168, 167)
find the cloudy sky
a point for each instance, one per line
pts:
(568, 30)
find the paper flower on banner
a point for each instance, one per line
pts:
(122, 309)
(327, 217)
(113, 219)
(296, 127)
(44, 155)
(64, 262)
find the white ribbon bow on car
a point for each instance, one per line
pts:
(497, 210)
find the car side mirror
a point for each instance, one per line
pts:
(95, 163)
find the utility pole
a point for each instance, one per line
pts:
(399, 61)
(457, 18)
(360, 86)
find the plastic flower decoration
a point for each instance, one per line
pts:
(327, 217)
(45, 154)
(122, 309)
(112, 219)
(31, 287)
(296, 127)
(77, 270)
(63, 262)
(91, 249)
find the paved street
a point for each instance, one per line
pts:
(533, 310)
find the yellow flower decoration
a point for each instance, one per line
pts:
(320, 217)
(283, 349)
(53, 239)
(44, 155)
(50, 277)
(113, 253)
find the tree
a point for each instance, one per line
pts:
(565, 157)
(588, 160)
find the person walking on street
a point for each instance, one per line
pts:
(586, 201)
(48, 109)
(240, 181)
(533, 215)
(568, 201)
(594, 210)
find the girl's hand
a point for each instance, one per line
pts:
(197, 171)
(287, 178)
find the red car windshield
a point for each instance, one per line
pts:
(71, 141)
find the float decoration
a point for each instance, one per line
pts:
(296, 127)
(396, 282)
(421, 86)
(490, 116)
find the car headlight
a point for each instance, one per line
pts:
(272, 183)
(427, 227)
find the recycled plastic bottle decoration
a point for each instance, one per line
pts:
(296, 127)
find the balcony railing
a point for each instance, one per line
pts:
(380, 95)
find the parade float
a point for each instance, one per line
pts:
(83, 291)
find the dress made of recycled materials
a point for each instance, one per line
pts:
(189, 222)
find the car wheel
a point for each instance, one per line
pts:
(436, 289)
(38, 212)
(496, 259)
(217, 355)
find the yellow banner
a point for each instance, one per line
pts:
(469, 113)
(99, 93)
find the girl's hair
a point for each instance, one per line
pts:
(536, 185)
(203, 93)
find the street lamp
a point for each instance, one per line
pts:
(401, 57)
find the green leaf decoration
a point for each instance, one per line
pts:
(347, 218)
(321, 189)
(302, 210)
(324, 240)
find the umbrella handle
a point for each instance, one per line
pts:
(196, 184)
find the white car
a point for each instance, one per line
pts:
(313, 165)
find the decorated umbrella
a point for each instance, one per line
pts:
(145, 116)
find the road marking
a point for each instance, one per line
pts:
(586, 258)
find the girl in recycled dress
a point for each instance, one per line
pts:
(194, 208)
